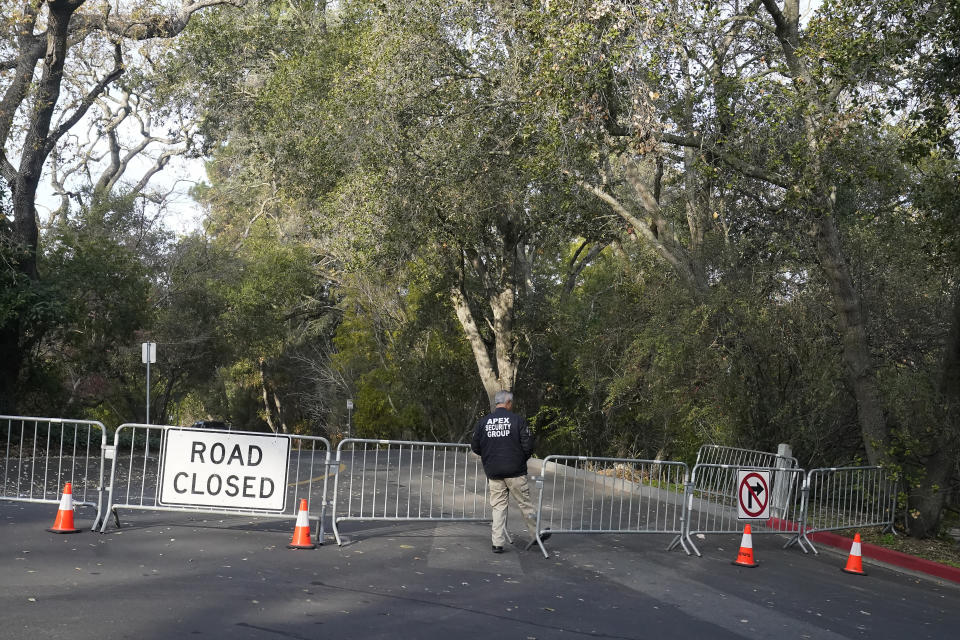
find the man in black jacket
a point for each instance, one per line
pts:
(504, 443)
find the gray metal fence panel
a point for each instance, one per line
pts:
(712, 501)
(719, 454)
(581, 494)
(400, 480)
(40, 455)
(136, 462)
(839, 498)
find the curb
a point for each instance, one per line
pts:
(891, 557)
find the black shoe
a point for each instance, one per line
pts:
(497, 549)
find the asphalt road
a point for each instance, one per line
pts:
(171, 575)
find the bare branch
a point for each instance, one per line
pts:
(155, 25)
(157, 167)
(87, 101)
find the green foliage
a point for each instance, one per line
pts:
(93, 298)
(412, 376)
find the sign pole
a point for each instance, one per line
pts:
(148, 354)
(349, 412)
(148, 395)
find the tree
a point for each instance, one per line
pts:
(47, 34)
(401, 130)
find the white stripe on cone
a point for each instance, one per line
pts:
(66, 502)
(303, 520)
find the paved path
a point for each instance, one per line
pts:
(169, 575)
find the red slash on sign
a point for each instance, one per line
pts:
(753, 493)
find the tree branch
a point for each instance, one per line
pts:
(730, 160)
(87, 101)
(154, 25)
(679, 263)
(575, 267)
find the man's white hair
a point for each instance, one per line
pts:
(502, 397)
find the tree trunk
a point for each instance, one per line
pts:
(11, 357)
(283, 423)
(929, 493)
(929, 490)
(856, 351)
(503, 375)
(265, 394)
(23, 182)
(36, 146)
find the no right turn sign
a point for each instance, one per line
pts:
(753, 494)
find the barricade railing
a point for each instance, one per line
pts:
(172, 468)
(580, 494)
(712, 502)
(40, 455)
(838, 498)
(719, 454)
(400, 480)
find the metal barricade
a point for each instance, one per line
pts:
(137, 467)
(838, 498)
(399, 481)
(580, 494)
(719, 454)
(40, 455)
(712, 502)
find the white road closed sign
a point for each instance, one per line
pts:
(227, 470)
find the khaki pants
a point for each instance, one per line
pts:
(500, 490)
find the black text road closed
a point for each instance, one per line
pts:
(753, 494)
(226, 470)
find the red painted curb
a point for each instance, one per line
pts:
(890, 556)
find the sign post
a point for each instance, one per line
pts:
(349, 411)
(148, 354)
(753, 494)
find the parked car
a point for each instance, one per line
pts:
(210, 424)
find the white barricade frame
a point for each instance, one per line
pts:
(40, 455)
(585, 490)
(712, 502)
(137, 461)
(722, 454)
(402, 480)
(371, 483)
(839, 498)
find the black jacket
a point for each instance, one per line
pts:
(504, 443)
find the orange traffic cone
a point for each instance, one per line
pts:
(855, 559)
(64, 520)
(301, 532)
(745, 557)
